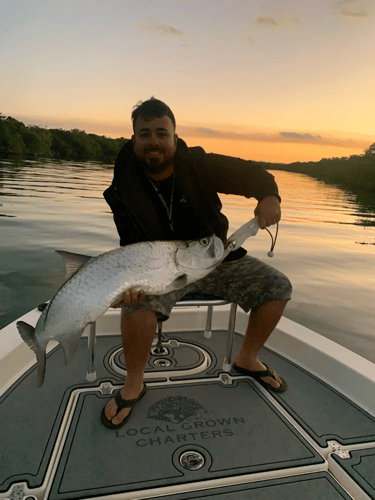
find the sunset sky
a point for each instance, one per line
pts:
(267, 80)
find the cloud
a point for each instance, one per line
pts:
(345, 2)
(165, 29)
(360, 7)
(270, 21)
(296, 135)
(208, 131)
(276, 137)
(349, 13)
(285, 18)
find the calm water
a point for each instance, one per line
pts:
(326, 243)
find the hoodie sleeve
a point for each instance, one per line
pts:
(230, 175)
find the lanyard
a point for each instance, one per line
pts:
(169, 210)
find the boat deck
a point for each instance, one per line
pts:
(198, 433)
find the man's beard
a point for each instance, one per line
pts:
(156, 165)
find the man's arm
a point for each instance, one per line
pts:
(230, 175)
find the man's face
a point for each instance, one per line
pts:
(155, 142)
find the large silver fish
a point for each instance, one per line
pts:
(95, 283)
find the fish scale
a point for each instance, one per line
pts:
(88, 294)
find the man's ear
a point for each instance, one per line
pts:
(175, 139)
(133, 139)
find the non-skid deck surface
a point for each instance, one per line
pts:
(234, 428)
(237, 430)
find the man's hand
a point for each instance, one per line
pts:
(130, 297)
(268, 211)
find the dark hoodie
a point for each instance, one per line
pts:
(139, 215)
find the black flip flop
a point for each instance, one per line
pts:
(263, 373)
(121, 404)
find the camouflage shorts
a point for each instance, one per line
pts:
(248, 282)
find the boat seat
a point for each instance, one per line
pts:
(195, 299)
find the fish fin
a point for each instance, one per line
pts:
(27, 333)
(180, 282)
(73, 262)
(70, 345)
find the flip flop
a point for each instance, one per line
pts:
(121, 404)
(263, 373)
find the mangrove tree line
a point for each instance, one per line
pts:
(20, 139)
(356, 171)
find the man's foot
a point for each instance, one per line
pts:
(129, 396)
(271, 380)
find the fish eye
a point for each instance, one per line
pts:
(204, 242)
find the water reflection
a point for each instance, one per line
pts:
(326, 242)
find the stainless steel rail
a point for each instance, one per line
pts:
(91, 338)
(91, 372)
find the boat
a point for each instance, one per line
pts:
(202, 430)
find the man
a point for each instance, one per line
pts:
(162, 190)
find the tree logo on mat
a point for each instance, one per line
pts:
(176, 409)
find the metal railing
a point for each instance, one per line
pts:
(91, 371)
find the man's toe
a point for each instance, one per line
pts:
(120, 417)
(110, 410)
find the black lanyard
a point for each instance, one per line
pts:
(169, 210)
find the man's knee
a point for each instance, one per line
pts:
(142, 317)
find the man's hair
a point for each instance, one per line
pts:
(150, 109)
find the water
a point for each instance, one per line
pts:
(326, 242)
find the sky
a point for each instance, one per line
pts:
(264, 80)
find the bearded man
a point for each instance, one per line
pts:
(163, 190)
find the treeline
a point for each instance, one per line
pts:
(356, 171)
(20, 139)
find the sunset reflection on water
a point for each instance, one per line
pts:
(326, 246)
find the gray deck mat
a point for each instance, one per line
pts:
(33, 416)
(322, 411)
(361, 467)
(317, 486)
(235, 428)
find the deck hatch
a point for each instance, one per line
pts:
(221, 422)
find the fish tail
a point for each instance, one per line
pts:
(27, 333)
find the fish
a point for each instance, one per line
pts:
(93, 284)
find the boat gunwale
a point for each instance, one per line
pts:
(347, 372)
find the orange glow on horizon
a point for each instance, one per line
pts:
(270, 152)
(240, 142)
